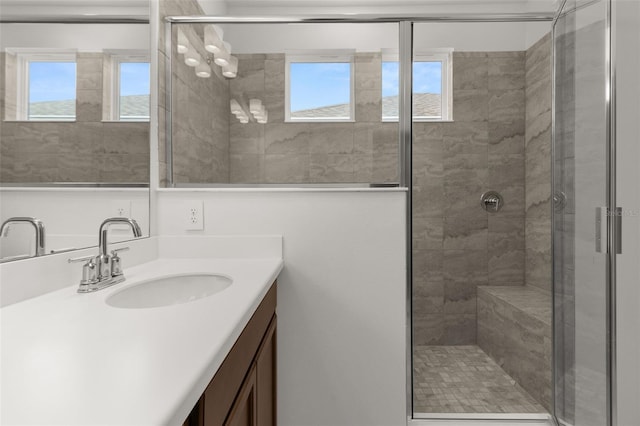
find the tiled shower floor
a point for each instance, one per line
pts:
(463, 379)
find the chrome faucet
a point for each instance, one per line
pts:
(37, 225)
(103, 261)
(105, 269)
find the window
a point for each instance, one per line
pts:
(431, 87)
(46, 86)
(319, 87)
(130, 87)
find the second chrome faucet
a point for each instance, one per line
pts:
(105, 269)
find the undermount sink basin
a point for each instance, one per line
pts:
(168, 291)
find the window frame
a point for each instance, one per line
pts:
(320, 56)
(118, 58)
(23, 58)
(445, 57)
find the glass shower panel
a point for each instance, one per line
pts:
(580, 200)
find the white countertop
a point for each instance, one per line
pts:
(69, 358)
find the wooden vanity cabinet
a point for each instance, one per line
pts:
(243, 391)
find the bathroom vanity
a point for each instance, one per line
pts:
(243, 391)
(112, 357)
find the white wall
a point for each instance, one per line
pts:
(341, 296)
(74, 8)
(84, 37)
(395, 7)
(71, 216)
(276, 38)
(534, 31)
(627, 39)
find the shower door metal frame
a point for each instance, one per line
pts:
(405, 134)
(613, 225)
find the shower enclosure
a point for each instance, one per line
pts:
(497, 327)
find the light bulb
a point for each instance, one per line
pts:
(255, 106)
(223, 57)
(203, 70)
(213, 38)
(192, 58)
(235, 107)
(183, 42)
(231, 70)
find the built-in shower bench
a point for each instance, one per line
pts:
(514, 328)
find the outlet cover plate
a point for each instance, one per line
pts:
(193, 211)
(121, 208)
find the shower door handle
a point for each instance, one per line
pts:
(601, 228)
(600, 224)
(618, 230)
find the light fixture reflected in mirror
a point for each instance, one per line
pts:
(183, 42)
(258, 110)
(231, 70)
(238, 111)
(213, 38)
(213, 43)
(255, 106)
(203, 70)
(192, 58)
(223, 57)
(235, 107)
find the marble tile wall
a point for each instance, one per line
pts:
(87, 150)
(200, 110)
(538, 164)
(278, 152)
(457, 245)
(200, 124)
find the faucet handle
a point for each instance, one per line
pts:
(114, 251)
(89, 270)
(80, 259)
(116, 265)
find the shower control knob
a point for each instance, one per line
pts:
(559, 201)
(491, 201)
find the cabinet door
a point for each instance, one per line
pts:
(244, 410)
(266, 377)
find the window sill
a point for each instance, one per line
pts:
(320, 121)
(419, 121)
(125, 121)
(39, 121)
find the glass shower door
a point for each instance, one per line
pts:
(581, 194)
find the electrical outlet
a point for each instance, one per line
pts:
(194, 215)
(121, 208)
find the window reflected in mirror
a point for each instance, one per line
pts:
(304, 105)
(74, 137)
(76, 104)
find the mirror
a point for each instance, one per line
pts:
(295, 104)
(74, 134)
